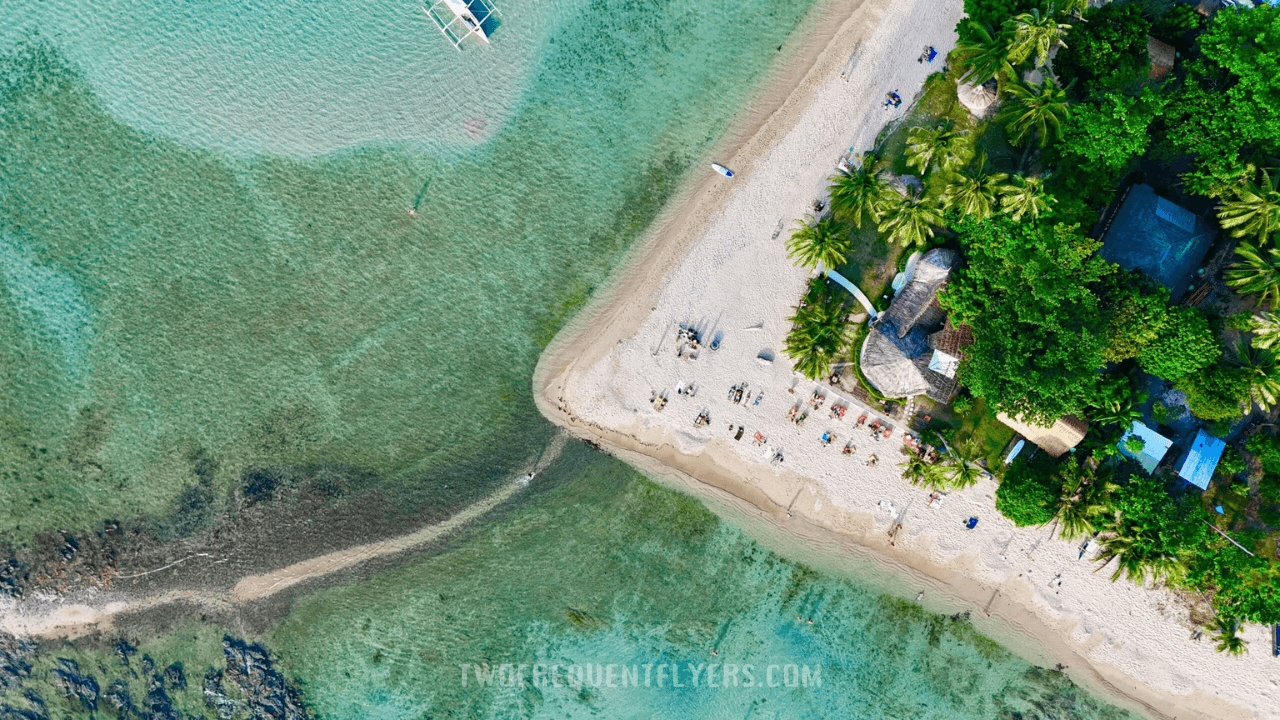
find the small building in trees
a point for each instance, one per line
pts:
(1158, 237)
(912, 349)
(1201, 459)
(1153, 448)
(1162, 58)
(1056, 439)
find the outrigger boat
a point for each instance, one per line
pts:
(457, 21)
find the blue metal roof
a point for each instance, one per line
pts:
(1154, 446)
(1201, 460)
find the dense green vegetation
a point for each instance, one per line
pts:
(1059, 331)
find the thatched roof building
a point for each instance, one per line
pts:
(898, 356)
(975, 98)
(1056, 439)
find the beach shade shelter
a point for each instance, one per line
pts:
(1201, 459)
(1056, 439)
(1161, 56)
(1154, 446)
(1158, 237)
(975, 98)
(897, 357)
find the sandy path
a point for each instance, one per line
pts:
(717, 261)
(55, 618)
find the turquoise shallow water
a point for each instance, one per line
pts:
(208, 267)
(603, 568)
(170, 300)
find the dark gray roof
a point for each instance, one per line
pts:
(1158, 237)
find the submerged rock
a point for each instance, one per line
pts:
(175, 676)
(270, 697)
(215, 696)
(14, 665)
(117, 698)
(73, 684)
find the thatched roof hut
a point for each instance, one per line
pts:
(1161, 56)
(976, 98)
(1056, 439)
(896, 356)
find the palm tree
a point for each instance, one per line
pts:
(910, 220)
(983, 56)
(975, 192)
(1122, 411)
(1085, 497)
(1263, 371)
(1073, 7)
(859, 193)
(823, 242)
(1257, 274)
(939, 147)
(1227, 639)
(958, 470)
(1265, 327)
(915, 469)
(1034, 34)
(1134, 558)
(817, 331)
(1025, 196)
(1034, 110)
(1256, 209)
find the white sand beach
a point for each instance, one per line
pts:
(718, 262)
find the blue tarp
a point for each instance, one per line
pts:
(1201, 460)
(1154, 446)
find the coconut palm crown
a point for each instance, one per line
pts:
(976, 192)
(910, 220)
(1257, 273)
(1255, 209)
(1025, 196)
(938, 147)
(859, 193)
(1034, 110)
(822, 242)
(1034, 35)
(984, 55)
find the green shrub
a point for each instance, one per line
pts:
(1269, 487)
(1215, 393)
(1028, 493)
(1267, 449)
(1186, 343)
(1232, 463)
(1134, 445)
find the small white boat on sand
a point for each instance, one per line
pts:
(722, 169)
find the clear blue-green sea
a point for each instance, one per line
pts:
(209, 274)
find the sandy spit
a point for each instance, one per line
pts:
(716, 260)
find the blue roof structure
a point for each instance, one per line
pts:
(1201, 460)
(1154, 446)
(1158, 237)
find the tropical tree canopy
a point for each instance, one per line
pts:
(983, 54)
(1261, 370)
(1025, 196)
(1034, 35)
(975, 192)
(1186, 343)
(859, 193)
(910, 220)
(939, 147)
(1255, 209)
(822, 242)
(1028, 295)
(817, 330)
(1257, 273)
(1149, 534)
(1034, 110)
(1265, 327)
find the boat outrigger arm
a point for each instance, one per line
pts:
(457, 20)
